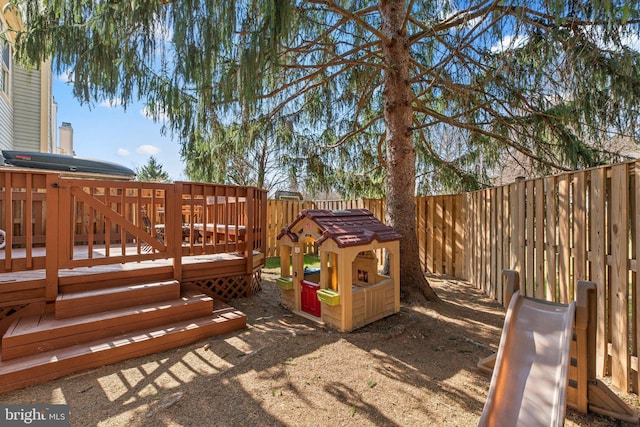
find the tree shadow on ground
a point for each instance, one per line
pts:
(416, 367)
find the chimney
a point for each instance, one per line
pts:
(66, 139)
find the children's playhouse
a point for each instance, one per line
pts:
(347, 291)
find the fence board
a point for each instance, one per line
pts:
(529, 239)
(579, 228)
(619, 278)
(460, 260)
(499, 240)
(550, 235)
(492, 277)
(539, 239)
(479, 252)
(564, 238)
(517, 229)
(507, 233)
(448, 244)
(483, 242)
(598, 265)
(438, 235)
(489, 228)
(421, 216)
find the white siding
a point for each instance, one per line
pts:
(26, 109)
(6, 124)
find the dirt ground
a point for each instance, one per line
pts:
(415, 368)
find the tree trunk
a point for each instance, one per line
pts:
(401, 153)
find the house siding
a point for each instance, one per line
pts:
(26, 109)
(6, 124)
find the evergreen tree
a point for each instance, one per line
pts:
(152, 172)
(241, 154)
(385, 90)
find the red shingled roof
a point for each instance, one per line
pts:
(345, 227)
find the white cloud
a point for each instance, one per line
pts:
(632, 41)
(451, 13)
(66, 77)
(147, 149)
(123, 152)
(158, 115)
(508, 43)
(110, 103)
(628, 39)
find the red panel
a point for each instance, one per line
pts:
(310, 303)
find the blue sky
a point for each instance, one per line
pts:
(109, 133)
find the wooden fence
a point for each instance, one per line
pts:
(557, 230)
(440, 227)
(281, 213)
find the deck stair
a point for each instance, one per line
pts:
(94, 328)
(72, 304)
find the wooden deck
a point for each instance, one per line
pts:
(98, 271)
(188, 262)
(29, 286)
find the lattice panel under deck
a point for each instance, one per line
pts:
(227, 288)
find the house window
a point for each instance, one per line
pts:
(5, 63)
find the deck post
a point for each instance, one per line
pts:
(8, 213)
(174, 223)
(250, 221)
(263, 221)
(52, 238)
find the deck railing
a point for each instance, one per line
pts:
(55, 222)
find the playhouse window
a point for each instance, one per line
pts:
(285, 270)
(365, 269)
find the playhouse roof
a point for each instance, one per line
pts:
(351, 227)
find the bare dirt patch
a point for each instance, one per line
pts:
(416, 368)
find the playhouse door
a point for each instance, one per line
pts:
(310, 302)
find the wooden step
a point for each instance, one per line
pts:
(99, 277)
(42, 367)
(93, 301)
(41, 333)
